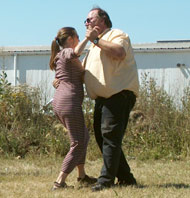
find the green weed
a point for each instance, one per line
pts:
(157, 128)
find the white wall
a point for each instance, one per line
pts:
(162, 66)
(33, 69)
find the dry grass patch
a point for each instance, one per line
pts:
(33, 177)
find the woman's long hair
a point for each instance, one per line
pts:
(58, 42)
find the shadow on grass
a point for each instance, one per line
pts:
(169, 185)
(178, 186)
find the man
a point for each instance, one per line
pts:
(111, 79)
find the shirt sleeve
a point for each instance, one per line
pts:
(68, 54)
(120, 38)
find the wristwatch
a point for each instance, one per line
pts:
(95, 41)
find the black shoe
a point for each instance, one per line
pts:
(98, 187)
(131, 182)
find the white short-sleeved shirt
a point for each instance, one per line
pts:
(104, 75)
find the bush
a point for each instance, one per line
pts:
(24, 127)
(160, 129)
(157, 127)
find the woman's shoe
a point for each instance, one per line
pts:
(86, 181)
(61, 186)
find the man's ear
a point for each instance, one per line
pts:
(102, 21)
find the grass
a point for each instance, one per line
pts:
(34, 176)
(157, 141)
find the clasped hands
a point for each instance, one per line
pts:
(92, 33)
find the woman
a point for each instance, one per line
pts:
(67, 101)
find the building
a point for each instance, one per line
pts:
(28, 65)
(168, 62)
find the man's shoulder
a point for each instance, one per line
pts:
(117, 32)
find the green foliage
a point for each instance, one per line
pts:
(88, 109)
(157, 127)
(24, 127)
(160, 128)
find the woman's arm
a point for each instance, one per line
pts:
(80, 47)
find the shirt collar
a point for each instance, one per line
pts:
(104, 32)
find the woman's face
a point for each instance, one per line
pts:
(72, 41)
(75, 40)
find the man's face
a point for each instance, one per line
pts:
(92, 19)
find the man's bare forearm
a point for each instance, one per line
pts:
(112, 49)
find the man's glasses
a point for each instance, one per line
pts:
(88, 20)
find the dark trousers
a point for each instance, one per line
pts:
(110, 121)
